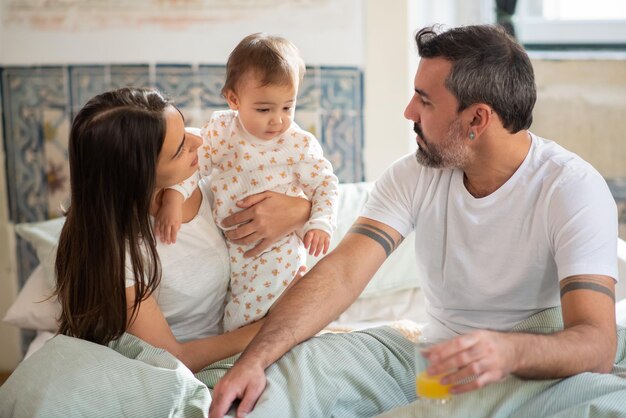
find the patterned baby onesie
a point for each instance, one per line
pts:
(241, 165)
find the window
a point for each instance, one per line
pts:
(571, 23)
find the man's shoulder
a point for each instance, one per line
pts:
(562, 174)
(408, 180)
(552, 157)
(407, 163)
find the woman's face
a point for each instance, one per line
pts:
(178, 159)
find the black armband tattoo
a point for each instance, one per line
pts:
(587, 284)
(378, 235)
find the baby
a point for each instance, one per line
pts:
(253, 147)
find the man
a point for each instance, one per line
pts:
(503, 220)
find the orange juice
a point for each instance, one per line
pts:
(429, 387)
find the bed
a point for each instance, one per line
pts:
(62, 376)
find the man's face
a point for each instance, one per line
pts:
(438, 125)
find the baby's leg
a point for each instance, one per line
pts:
(299, 274)
(258, 282)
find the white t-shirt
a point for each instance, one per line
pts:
(195, 276)
(492, 262)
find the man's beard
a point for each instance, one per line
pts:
(450, 153)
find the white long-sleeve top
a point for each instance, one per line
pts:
(241, 165)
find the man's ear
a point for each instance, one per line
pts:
(232, 99)
(481, 115)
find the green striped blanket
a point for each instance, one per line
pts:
(366, 373)
(357, 374)
(584, 395)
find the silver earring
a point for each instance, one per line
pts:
(471, 135)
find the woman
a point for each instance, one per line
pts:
(125, 147)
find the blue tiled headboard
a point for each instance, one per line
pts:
(38, 104)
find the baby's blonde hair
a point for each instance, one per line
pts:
(274, 59)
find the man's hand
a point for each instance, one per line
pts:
(486, 355)
(245, 382)
(266, 217)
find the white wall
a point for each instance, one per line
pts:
(391, 60)
(581, 105)
(329, 33)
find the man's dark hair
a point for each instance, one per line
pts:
(488, 66)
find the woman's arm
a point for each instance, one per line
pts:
(266, 217)
(150, 325)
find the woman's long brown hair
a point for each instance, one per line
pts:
(114, 146)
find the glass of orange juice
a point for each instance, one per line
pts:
(428, 387)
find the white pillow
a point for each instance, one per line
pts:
(399, 271)
(34, 308)
(43, 237)
(393, 306)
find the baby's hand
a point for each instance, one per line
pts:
(316, 241)
(169, 218)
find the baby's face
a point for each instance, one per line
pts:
(265, 111)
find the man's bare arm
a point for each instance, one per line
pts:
(328, 289)
(587, 343)
(317, 299)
